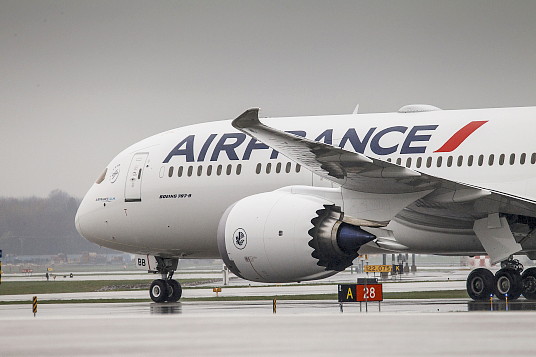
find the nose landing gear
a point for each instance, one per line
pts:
(165, 289)
(507, 282)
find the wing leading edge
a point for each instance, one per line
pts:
(351, 170)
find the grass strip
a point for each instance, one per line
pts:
(311, 284)
(265, 297)
(436, 294)
(78, 286)
(415, 295)
(73, 301)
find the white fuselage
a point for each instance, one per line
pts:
(165, 195)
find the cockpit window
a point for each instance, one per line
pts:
(102, 176)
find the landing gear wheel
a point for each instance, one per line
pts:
(529, 283)
(174, 292)
(480, 284)
(158, 290)
(508, 282)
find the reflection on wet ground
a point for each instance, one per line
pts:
(299, 328)
(252, 308)
(499, 305)
(166, 308)
(330, 307)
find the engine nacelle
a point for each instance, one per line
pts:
(284, 237)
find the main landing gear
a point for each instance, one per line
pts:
(166, 289)
(508, 282)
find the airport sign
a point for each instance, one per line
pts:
(372, 292)
(398, 268)
(347, 293)
(378, 268)
(360, 292)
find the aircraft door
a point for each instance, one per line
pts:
(134, 177)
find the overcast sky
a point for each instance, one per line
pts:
(81, 80)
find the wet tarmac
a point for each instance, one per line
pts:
(424, 327)
(299, 328)
(283, 307)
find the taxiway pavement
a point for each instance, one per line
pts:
(447, 327)
(265, 334)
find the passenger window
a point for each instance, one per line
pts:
(389, 159)
(229, 169)
(258, 169)
(278, 168)
(533, 158)
(439, 161)
(199, 170)
(408, 162)
(170, 171)
(209, 170)
(470, 160)
(179, 171)
(162, 170)
(398, 161)
(512, 159)
(190, 170)
(298, 167)
(522, 159)
(268, 168)
(238, 169)
(481, 160)
(460, 160)
(218, 170)
(449, 161)
(419, 162)
(491, 159)
(429, 162)
(287, 169)
(501, 159)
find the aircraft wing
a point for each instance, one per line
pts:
(349, 169)
(361, 173)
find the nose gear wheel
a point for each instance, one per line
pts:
(165, 289)
(158, 290)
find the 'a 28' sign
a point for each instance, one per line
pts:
(360, 292)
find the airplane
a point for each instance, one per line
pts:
(300, 198)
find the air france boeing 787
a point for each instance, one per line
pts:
(295, 199)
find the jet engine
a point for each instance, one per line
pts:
(281, 237)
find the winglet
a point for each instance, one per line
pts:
(247, 119)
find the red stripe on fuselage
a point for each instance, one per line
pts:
(460, 136)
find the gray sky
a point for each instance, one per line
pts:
(81, 80)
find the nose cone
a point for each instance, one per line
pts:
(93, 215)
(90, 218)
(80, 213)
